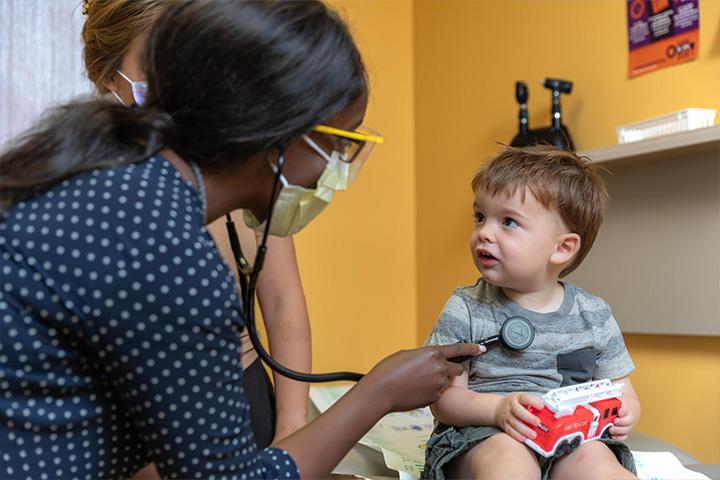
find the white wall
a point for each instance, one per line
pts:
(40, 60)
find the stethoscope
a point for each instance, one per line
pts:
(516, 333)
(249, 274)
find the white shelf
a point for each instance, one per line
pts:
(691, 140)
(656, 259)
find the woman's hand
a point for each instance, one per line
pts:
(511, 415)
(415, 378)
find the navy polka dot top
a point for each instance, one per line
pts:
(119, 336)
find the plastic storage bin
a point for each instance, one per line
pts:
(684, 120)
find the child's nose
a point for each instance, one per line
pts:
(485, 233)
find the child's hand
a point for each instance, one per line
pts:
(623, 423)
(511, 414)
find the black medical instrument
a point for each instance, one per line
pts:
(557, 134)
(516, 333)
(248, 282)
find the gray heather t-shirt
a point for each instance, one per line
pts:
(578, 343)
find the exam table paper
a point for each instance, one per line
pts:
(402, 438)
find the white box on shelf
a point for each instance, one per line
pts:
(684, 120)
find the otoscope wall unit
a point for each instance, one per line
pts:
(557, 133)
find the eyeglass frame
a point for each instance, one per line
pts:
(357, 136)
(353, 135)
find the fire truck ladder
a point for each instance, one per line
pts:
(564, 400)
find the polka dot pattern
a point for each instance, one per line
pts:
(119, 329)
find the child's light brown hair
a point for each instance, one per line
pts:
(559, 180)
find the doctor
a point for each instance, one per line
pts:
(120, 320)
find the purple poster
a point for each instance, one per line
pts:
(661, 33)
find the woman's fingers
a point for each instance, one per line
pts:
(460, 350)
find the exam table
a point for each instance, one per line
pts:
(366, 462)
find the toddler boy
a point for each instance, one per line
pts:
(537, 211)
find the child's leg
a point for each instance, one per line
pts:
(498, 457)
(592, 460)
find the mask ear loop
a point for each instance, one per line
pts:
(311, 143)
(134, 86)
(118, 97)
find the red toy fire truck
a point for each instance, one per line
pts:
(574, 415)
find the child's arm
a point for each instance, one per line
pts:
(629, 413)
(460, 406)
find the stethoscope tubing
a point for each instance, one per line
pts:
(248, 281)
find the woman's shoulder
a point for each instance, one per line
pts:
(149, 195)
(153, 183)
(143, 210)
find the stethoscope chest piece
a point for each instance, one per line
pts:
(517, 333)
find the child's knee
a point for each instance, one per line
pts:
(502, 442)
(591, 460)
(593, 452)
(502, 449)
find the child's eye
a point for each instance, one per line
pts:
(510, 223)
(479, 217)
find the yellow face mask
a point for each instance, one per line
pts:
(296, 206)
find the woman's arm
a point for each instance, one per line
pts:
(285, 315)
(401, 382)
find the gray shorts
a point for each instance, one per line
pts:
(447, 443)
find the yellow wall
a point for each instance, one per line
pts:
(467, 57)
(678, 379)
(380, 263)
(357, 259)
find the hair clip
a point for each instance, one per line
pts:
(85, 7)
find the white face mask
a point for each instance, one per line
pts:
(296, 206)
(139, 89)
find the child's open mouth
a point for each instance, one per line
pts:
(486, 258)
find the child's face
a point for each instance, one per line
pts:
(515, 243)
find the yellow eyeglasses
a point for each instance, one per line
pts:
(354, 147)
(362, 134)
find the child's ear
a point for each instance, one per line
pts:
(566, 247)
